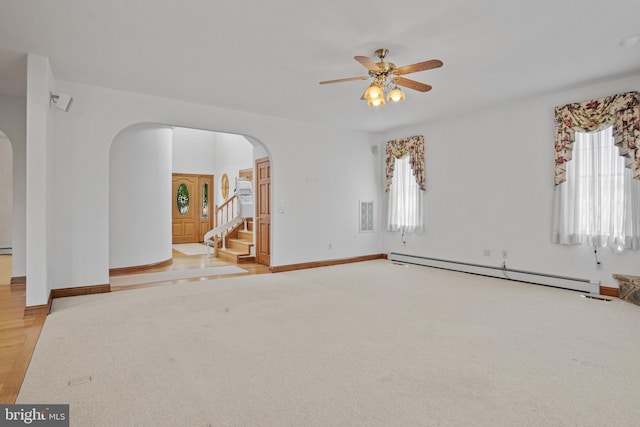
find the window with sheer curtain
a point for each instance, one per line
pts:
(599, 204)
(405, 199)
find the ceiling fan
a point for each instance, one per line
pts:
(385, 74)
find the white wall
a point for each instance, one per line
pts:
(310, 164)
(490, 186)
(259, 151)
(6, 194)
(197, 151)
(13, 119)
(194, 151)
(140, 196)
(233, 153)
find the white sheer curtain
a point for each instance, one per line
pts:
(599, 203)
(405, 199)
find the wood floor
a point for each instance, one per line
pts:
(18, 335)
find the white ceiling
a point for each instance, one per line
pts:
(267, 57)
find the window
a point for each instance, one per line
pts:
(405, 199)
(598, 203)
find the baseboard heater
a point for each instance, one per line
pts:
(571, 283)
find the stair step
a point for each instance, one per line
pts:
(245, 235)
(232, 251)
(240, 245)
(233, 255)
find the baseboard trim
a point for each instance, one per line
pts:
(37, 310)
(80, 290)
(44, 309)
(610, 292)
(314, 264)
(19, 280)
(139, 268)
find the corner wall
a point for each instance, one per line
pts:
(490, 186)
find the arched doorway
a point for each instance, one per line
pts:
(143, 158)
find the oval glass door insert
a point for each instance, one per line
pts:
(182, 199)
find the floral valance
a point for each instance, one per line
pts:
(398, 148)
(622, 111)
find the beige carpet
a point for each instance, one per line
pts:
(163, 276)
(366, 344)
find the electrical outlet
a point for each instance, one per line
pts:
(487, 252)
(330, 245)
(504, 254)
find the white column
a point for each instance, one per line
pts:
(38, 93)
(140, 196)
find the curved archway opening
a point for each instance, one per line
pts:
(142, 161)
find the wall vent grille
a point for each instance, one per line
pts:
(366, 216)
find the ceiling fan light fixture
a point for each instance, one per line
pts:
(385, 75)
(395, 95)
(373, 92)
(376, 102)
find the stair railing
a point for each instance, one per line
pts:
(226, 211)
(211, 237)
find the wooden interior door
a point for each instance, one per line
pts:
(263, 211)
(185, 226)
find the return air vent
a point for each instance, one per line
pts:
(366, 217)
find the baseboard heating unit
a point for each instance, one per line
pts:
(571, 283)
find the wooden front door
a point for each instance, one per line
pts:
(263, 211)
(191, 197)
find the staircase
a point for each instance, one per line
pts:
(238, 244)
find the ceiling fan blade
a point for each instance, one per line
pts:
(348, 79)
(420, 66)
(367, 62)
(412, 84)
